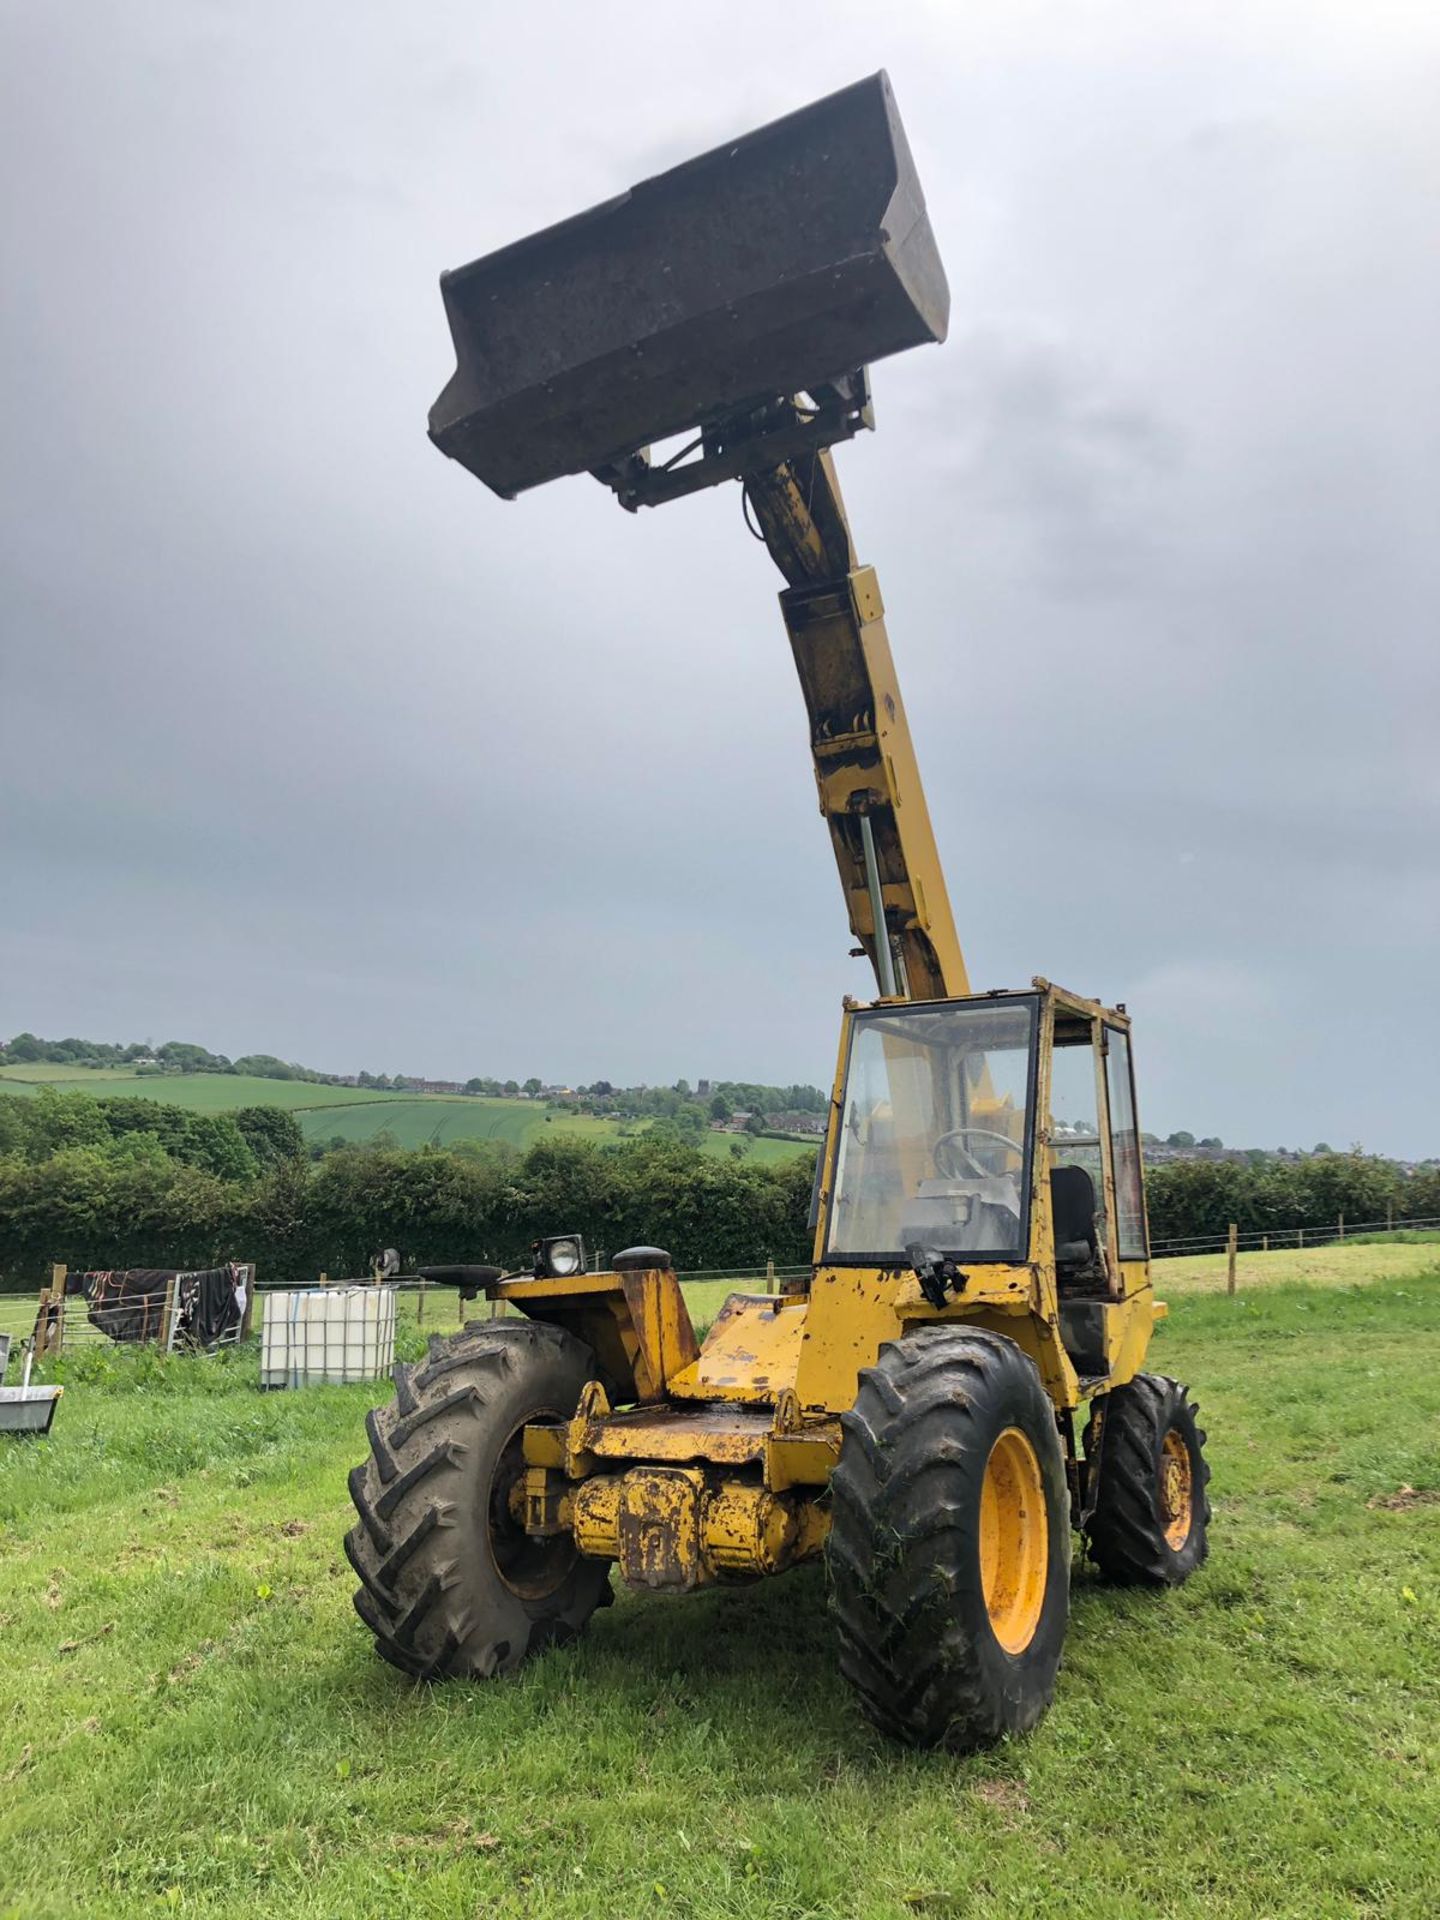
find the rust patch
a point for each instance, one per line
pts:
(727, 1434)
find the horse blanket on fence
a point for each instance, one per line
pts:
(129, 1305)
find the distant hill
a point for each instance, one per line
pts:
(333, 1115)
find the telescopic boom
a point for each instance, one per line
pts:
(738, 300)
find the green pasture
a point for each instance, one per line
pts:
(358, 1113)
(192, 1720)
(414, 1120)
(204, 1092)
(756, 1149)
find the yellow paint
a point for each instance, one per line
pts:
(543, 1446)
(664, 1339)
(703, 1467)
(750, 1353)
(660, 1527)
(673, 1528)
(1014, 1540)
(596, 1515)
(542, 1503)
(803, 1459)
(748, 1530)
(1177, 1491)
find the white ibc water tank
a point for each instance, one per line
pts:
(327, 1333)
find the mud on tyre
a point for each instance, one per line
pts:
(450, 1584)
(1151, 1513)
(949, 1551)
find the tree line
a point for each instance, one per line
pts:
(130, 1182)
(1190, 1198)
(678, 1102)
(101, 1205)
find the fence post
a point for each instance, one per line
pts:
(1342, 1226)
(49, 1334)
(168, 1313)
(1389, 1216)
(1264, 1243)
(248, 1316)
(770, 1274)
(1230, 1249)
(1299, 1236)
(57, 1307)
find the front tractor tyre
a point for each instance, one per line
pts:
(1148, 1524)
(949, 1548)
(450, 1584)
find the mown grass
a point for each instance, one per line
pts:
(1373, 1257)
(415, 1120)
(203, 1092)
(191, 1719)
(757, 1149)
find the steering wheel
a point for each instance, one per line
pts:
(950, 1148)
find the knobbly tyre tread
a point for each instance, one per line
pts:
(906, 1597)
(1125, 1535)
(430, 1591)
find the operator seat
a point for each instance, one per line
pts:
(1072, 1206)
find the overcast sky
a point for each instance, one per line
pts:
(310, 745)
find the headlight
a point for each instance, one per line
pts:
(559, 1257)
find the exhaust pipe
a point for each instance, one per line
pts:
(780, 264)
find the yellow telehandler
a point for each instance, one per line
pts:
(981, 1273)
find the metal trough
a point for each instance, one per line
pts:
(28, 1409)
(780, 262)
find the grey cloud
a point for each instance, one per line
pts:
(308, 744)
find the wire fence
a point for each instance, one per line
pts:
(1273, 1239)
(58, 1321)
(161, 1313)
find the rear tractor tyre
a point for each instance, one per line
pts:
(949, 1548)
(1148, 1527)
(450, 1584)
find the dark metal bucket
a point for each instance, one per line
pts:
(787, 259)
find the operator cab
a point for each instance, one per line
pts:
(943, 1108)
(935, 1140)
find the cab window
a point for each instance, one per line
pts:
(935, 1132)
(1125, 1146)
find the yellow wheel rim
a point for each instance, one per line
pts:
(1014, 1540)
(1177, 1490)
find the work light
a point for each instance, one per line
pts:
(559, 1256)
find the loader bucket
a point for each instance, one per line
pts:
(784, 260)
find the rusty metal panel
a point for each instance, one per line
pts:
(750, 1353)
(660, 1527)
(661, 1320)
(595, 1513)
(804, 1458)
(726, 1435)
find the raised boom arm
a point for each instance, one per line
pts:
(738, 298)
(865, 768)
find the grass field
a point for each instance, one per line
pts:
(758, 1150)
(359, 1113)
(415, 1120)
(204, 1092)
(191, 1719)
